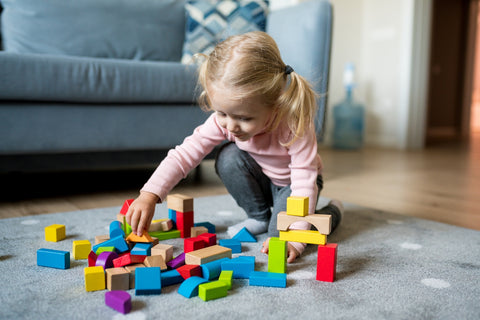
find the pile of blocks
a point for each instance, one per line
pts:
(121, 260)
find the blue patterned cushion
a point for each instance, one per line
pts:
(212, 21)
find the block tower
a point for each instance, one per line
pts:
(297, 210)
(180, 211)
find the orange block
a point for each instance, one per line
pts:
(144, 238)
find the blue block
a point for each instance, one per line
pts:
(211, 270)
(189, 288)
(172, 215)
(245, 236)
(233, 244)
(53, 258)
(268, 279)
(171, 277)
(241, 266)
(141, 249)
(210, 227)
(148, 281)
(116, 230)
(118, 242)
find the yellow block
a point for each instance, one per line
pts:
(297, 206)
(304, 236)
(55, 232)
(94, 278)
(81, 249)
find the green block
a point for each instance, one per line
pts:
(212, 290)
(104, 249)
(277, 255)
(226, 276)
(164, 235)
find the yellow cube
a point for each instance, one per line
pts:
(297, 206)
(55, 232)
(81, 249)
(94, 278)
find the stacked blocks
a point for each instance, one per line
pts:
(55, 232)
(297, 206)
(181, 207)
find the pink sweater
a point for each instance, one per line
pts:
(297, 165)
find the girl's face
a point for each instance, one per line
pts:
(243, 118)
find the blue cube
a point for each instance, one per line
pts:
(148, 281)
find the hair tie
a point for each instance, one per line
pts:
(288, 69)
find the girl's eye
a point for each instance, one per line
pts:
(221, 114)
(245, 119)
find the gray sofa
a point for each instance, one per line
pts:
(64, 111)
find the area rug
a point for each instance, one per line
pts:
(389, 267)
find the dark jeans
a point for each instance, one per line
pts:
(254, 192)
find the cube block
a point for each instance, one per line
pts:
(94, 278)
(297, 206)
(81, 249)
(55, 232)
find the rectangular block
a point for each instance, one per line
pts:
(241, 266)
(141, 249)
(209, 238)
(211, 227)
(164, 250)
(118, 242)
(196, 231)
(207, 254)
(165, 235)
(131, 269)
(127, 259)
(57, 259)
(81, 249)
(148, 281)
(94, 278)
(180, 202)
(211, 270)
(327, 262)
(190, 270)
(171, 277)
(297, 206)
(233, 244)
(212, 290)
(227, 276)
(117, 279)
(160, 225)
(322, 222)
(277, 255)
(55, 232)
(192, 244)
(305, 236)
(119, 301)
(185, 223)
(155, 261)
(177, 262)
(268, 279)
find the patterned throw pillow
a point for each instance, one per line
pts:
(212, 21)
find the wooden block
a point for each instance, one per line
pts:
(117, 279)
(161, 225)
(81, 249)
(268, 279)
(185, 223)
(177, 262)
(305, 236)
(196, 231)
(327, 262)
(245, 236)
(120, 301)
(207, 254)
(94, 278)
(105, 259)
(141, 249)
(155, 261)
(171, 277)
(131, 269)
(145, 238)
(212, 290)
(190, 270)
(211, 227)
(125, 206)
(116, 229)
(180, 202)
(226, 275)
(297, 206)
(55, 232)
(192, 244)
(104, 249)
(241, 266)
(148, 281)
(92, 259)
(118, 242)
(277, 255)
(211, 270)
(57, 259)
(233, 244)
(165, 235)
(164, 250)
(128, 259)
(209, 238)
(189, 288)
(322, 222)
(101, 238)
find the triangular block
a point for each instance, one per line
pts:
(245, 236)
(144, 238)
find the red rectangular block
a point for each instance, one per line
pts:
(127, 259)
(327, 262)
(184, 223)
(190, 270)
(192, 244)
(209, 238)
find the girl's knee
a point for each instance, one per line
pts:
(229, 158)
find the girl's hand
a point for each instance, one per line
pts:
(291, 251)
(141, 211)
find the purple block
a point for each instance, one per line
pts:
(119, 300)
(105, 259)
(177, 262)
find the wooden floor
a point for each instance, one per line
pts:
(441, 183)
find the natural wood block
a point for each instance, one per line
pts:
(164, 250)
(131, 271)
(196, 231)
(117, 279)
(207, 254)
(101, 238)
(180, 202)
(322, 222)
(155, 261)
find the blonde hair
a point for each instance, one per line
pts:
(251, 66)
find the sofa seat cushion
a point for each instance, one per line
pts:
(37, 77)
(122, 29)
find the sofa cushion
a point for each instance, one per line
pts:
(212, 21)
(124, 29)
(41, 77)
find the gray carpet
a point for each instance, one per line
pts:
(389, 267)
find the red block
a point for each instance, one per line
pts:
(209, 238)
(190, 270)
(127, 259)
(327, 262)
(184, 223)
(192, 244)
(125, 206)
(92, 259)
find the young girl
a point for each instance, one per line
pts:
(266, 111)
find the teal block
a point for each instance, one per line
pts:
(118, 242)
(211, 270)
(245, 236)
(233, 244)
(53, 258)
(189, 288)
(148, 281)
(116, 229)
(141, 249)
(241, 266)
(268, 279)
(210, 227)
(171, 277)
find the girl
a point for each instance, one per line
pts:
(266, 111)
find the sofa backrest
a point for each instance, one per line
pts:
(124, 29)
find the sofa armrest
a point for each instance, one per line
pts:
(303, 34)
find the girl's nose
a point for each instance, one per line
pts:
(232, 125)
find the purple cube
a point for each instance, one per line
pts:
(119, 300)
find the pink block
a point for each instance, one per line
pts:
(119, 300)
(105, 259)
(327, 262)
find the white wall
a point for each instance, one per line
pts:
(377, 36)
